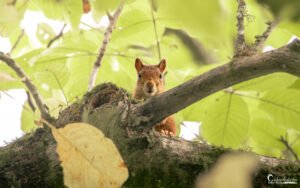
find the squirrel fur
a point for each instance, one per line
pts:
(150, 83)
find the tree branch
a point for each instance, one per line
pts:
(261, 39)
(240, 43)
(31, 87)
(60, 34)
(285, 59)
(30, 102)
(107, 35)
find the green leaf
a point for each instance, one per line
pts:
(199, 9)
(226, 122)
(283, 106)
(10, 15)
(265, 135)
(296, 84)
(56, 102)
(294, 140)
(23, 44)
(199, 110)
(99, 7)
(44, 33)
(267, 83)
(134, 24)
(79, 71)
(290, 27)
(27, 119)
(202, 20)
(279, 36)
(65, 10)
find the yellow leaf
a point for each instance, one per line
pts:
(88, 158)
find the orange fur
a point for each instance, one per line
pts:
(150, 83)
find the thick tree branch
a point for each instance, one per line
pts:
(285, 59)
(107, 35)
(31, 87)
(153, 160)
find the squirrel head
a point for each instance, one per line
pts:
(150, 78)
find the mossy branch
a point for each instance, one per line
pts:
(26, 80)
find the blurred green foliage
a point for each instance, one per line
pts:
(252, 114)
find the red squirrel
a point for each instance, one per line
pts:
(151, 82)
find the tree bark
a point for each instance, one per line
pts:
(285, 59)
(153, 160)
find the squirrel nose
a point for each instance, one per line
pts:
(150, 84)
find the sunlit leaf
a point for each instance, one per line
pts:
(199, 110)
(134, 24)
(267, 83)
(296, 84)
(97, 160)
(28, 118)
(202, 20)
(99, 7)
(65, 10)
(10, 15)
(293, 138)
(265, 136)
(226, 122)
(44, 33)
(283, 106)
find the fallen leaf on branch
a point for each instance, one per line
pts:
(88, 158)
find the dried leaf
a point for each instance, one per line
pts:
(88, 158)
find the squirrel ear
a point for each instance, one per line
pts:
(162, 65)
(138, 64)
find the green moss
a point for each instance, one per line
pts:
(26, 163)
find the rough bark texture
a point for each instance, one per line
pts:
(285, 59)
(153, 160)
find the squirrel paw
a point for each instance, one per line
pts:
(167, 133)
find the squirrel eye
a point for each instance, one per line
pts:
(160, 76)
(140, 76)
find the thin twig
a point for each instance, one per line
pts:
(31, 87)
(240, 43)
(17, 42)
(108, 14)
(289, 148)
(261, 39)
(155, 29)
(60, 34)
(60, 86)
(15, 100)
(102, 49)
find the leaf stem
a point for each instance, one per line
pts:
(155, 30)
